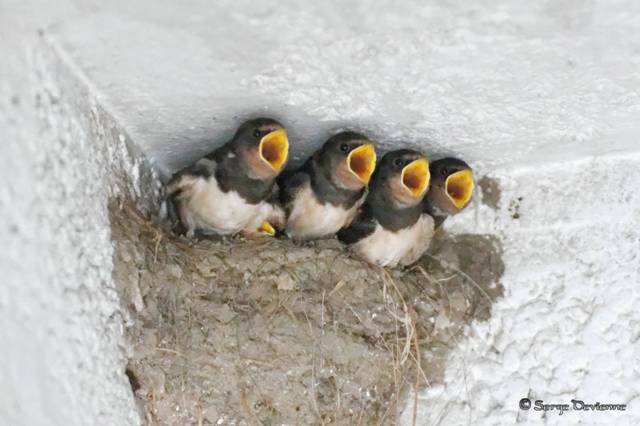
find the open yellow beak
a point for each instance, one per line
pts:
(274, 149)
(362, 162)
(267, 229)
(416, 176)
(459, 186)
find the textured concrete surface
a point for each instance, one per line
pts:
(62, 359)
(493, 81)
(568, 325)
(543, 96)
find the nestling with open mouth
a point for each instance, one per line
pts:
(450, 189)
(325, 193)
(233, 189)
(391, 223)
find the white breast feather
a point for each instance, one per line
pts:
(206, 207)
(311, 219)
(387, 248)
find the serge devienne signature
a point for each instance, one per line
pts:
(577, 405)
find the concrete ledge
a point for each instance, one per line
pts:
(567, 213)
(501, 84)
(63, 350)
(125, 168)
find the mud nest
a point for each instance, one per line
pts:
(270, 332)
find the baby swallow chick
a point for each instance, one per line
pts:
(450, 190)
(391, 223)
(325, 193)
(233, 189)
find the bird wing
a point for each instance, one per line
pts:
(202, 168)
(274, 195)
(179, 188)
(290, 184)
(276, 216)
(362, 226)
(427, 208)
(219, 153)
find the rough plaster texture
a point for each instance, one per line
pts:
(518, 88)
(62, 359)
(497, 81)
(569, 323)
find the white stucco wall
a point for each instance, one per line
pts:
(61, 360)
(568, 325)
(496, 81)
(62, 356)
(542, 96)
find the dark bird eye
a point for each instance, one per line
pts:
(344, 147)
(399, 162)
(444, 171)
(257, 133)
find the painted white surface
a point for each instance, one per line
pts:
(61, 346)
(569, 323)
(496, 81)
(510, 86)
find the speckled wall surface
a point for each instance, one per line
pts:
(568, 325)
(496, 81)
(63, 356)
(542, 96)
